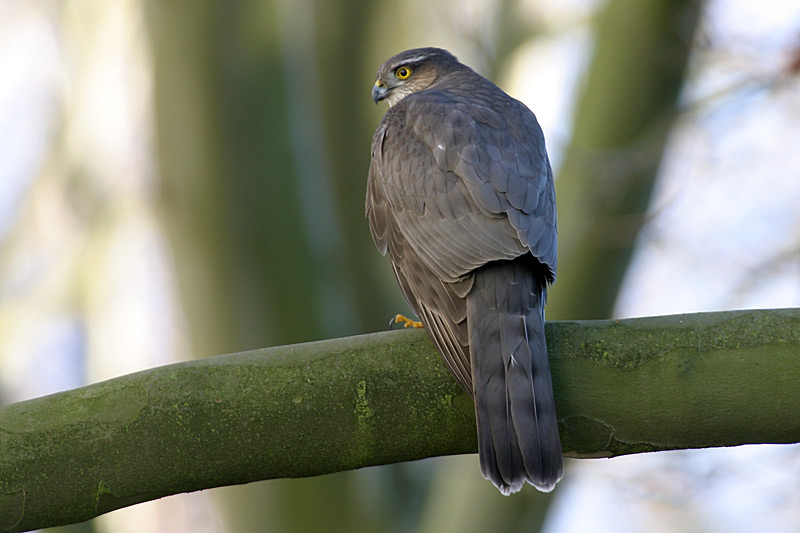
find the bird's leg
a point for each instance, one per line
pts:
(407, 322)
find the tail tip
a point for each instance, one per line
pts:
(508, 488)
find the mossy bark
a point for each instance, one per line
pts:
(622, 386)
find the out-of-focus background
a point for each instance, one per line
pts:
(186, 178)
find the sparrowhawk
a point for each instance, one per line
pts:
(460, 193)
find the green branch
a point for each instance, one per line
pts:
(622, 386)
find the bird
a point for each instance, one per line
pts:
(460, 195)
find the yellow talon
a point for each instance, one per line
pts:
(407, 322)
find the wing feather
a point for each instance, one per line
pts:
(453, 186)
(483, 165)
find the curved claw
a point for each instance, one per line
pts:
(407, 322)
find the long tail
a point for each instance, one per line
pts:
(517, 427)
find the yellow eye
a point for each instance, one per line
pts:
(402, 73)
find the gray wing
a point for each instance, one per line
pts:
(453, 186)
(440, 305)
(493, 148)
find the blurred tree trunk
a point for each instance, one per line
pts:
(622, 124)
(349, 117)
(229, 203)
(257, 261)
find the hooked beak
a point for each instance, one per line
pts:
(379, 91)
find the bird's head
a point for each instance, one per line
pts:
(411, 71)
